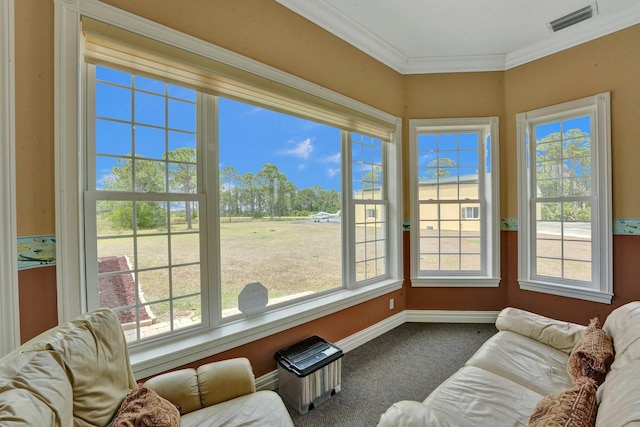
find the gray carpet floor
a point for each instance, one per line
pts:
(406, 363)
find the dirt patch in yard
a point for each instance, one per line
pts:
(118, 290)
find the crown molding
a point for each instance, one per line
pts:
(330, 19)
(453, 64)
(574, 36)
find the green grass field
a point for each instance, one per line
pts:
(289, 257)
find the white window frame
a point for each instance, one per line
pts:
(490, 203)
(165, 354)
(9, 310)
(601, 287)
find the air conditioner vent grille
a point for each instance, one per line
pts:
(572, 18)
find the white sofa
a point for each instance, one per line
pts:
(526, 360)
(78, 374)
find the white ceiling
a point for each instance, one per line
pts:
(432, 36)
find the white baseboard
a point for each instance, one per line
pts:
(451, 316)
(269, 381)
(356, 340)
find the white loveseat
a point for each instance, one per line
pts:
(526, 360)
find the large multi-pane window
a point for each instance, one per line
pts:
(454, 202)
(182, 204)
(565, 217)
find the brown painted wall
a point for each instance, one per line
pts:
(446, 96)
(35, 197)
(38, 307)
(269, 33)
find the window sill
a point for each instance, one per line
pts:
(165, 355)
(455, 282)
(567, 291)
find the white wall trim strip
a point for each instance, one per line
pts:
(9, 311)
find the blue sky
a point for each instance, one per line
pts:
(308, 153)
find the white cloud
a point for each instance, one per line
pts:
(333, 172)
(302, 150)
(334, 158)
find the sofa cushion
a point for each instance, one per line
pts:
(474, 397)
(259, 409)
(93, 351)
(593, 355)
(527, 362)
(618, 397)
(143, 407)
(34, 390)
(623, 327)
(575, 407)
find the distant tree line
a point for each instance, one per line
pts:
(267, 193)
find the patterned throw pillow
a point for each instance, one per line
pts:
(592, 356)
(143, 407)
(576, 407)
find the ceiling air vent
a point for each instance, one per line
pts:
(573, 18)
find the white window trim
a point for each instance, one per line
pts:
(9, 310)
(150, 360)
(492, 278)
(601, 216)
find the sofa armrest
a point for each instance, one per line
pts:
(178, 387)
(192, 389)
(225, 380)
(408, 413)
(555, 333)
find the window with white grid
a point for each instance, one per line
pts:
(370, 207)
(454, 202)
(565, 206)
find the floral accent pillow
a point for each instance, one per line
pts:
(592, 356)
(576, 407)
(143, 407)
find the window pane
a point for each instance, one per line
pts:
(280, 221)
(149, 85)
(577, 270)
(155, 285)
(181, 93)
(152, 251)
(182, 115)
(150, 142)
(113, 102)
(150, 109)
(113, 138)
